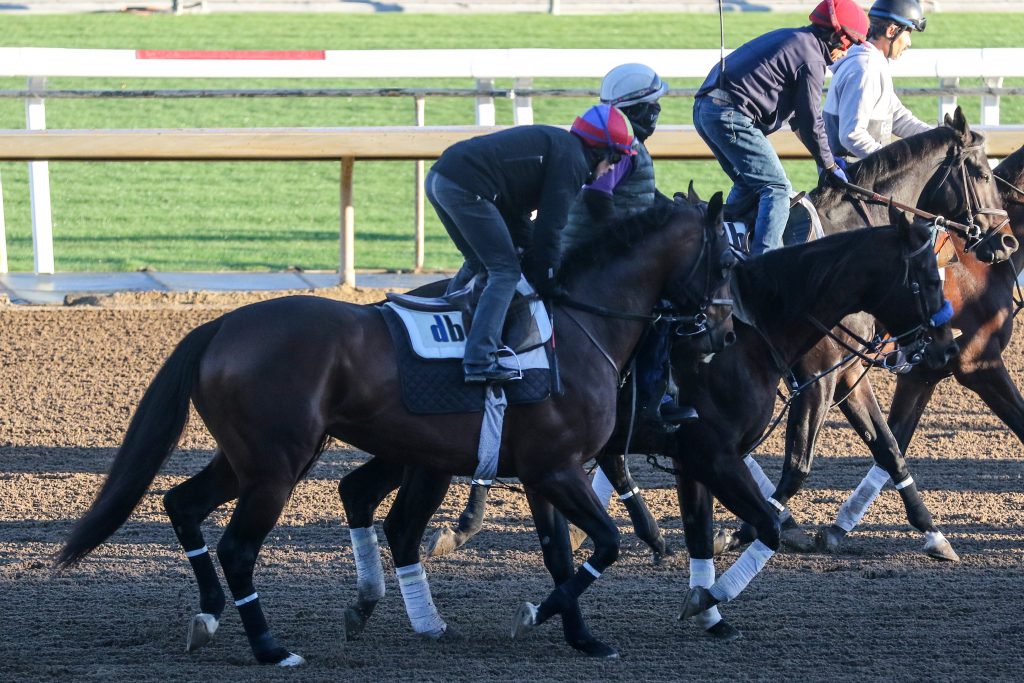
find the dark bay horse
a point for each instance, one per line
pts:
(274, 380)
(890, 272)
(786, 302)
(943, 171)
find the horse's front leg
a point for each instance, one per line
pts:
(696, 508)
(730, 481)
(419, 496)
(806, 417)
(578, 503)
(865, 416)
(361, 492)
(612, 468)
(908, 403)
(996, 388)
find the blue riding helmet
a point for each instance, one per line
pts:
(906, 13)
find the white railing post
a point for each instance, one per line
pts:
(990, 103)
(420, 230)
(39, 184)
(947, 103)
(522, 105)
(3, 233)
(485, 103)
(347, 260)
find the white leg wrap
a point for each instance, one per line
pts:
(853, 508)
(412, 580)
(369, 571)
(762, 480)
(742, 572)
(702, 573)
(602, 487)
(765, 485)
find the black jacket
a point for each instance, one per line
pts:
(523, 169)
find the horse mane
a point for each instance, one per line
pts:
(785, 283)
(885, 168)
(612, 240)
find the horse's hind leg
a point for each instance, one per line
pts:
(262, 497)
(470, 522)
(696, 506)
(865, 416)
(578, 504)
(187, 505)
(613, 467)
(419, 496)
(361, 492)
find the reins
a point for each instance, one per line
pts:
(970, 231)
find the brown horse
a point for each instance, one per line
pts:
(273, 381)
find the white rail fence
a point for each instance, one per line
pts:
(482, 67)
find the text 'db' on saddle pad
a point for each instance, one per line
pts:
(434, 385)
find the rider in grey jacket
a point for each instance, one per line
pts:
(861, 110)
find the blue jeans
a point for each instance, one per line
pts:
(751, 163)
(480, 233)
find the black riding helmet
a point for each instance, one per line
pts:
(906, 13)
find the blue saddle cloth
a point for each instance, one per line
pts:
(435, 386)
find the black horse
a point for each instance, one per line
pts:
(786, 302)
(943, 171)
(273, 381)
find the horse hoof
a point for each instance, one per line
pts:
(725, 540)
(355, 622)
(442, 543)
(200, 631)
(795, 538)
(595, 648)
(524, 621)
(576, 537)
(291, 660)
(657, 556)
(449, 635)
(936, 545)
(696, 600)
(830, 539)
(723, 632)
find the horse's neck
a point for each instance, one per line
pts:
(616, 336)
(846, 214)
(848, 294)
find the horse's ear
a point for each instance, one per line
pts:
(715, 209)
(691, 194)
(899, 219)
(960, 124)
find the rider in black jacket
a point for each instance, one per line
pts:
(484, 190)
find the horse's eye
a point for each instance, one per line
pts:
(984, 177)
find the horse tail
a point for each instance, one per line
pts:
(153, 433)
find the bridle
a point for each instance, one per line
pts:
(678, 294)
(955, 164)
(870, 350)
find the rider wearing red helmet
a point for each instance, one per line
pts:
(773, 79)
(484, 190)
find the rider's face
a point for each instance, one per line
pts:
(900, 44)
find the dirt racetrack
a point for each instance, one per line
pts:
(70, 377)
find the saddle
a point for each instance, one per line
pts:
(429, 335)
(803, 224)
(438, 326)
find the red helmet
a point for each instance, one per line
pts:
(604, 126)
(844, 17)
